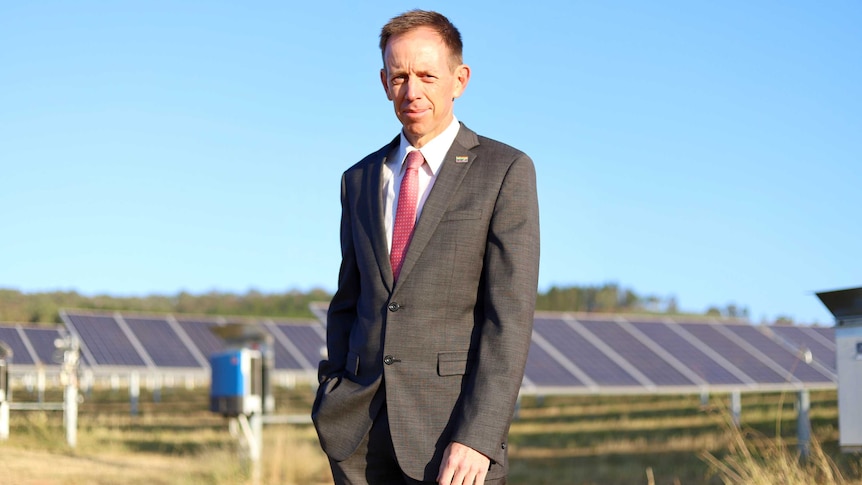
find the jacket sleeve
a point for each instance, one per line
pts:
(505, 312)
(342, 309)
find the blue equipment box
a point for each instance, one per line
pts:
(237, 382)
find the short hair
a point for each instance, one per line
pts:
(414, 19)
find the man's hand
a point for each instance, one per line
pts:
(462, 465)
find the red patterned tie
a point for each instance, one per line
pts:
(405, 216)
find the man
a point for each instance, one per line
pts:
(428, 332)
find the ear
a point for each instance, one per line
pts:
(462, 77)
(385, 84)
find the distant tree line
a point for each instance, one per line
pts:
(43, 308)
(607, 298)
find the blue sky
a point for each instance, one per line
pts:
(710, 151)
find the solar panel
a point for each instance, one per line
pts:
(161, 342)
(284, 359)
(637, 353)
(12, 338)
(201, 335)
(105, 341)
(42, 340)
(826, 332)
(793, 362)
(543, 370)
(596, 364)
(309, 341)
(731, 351)
(692, 356)
(809, 338)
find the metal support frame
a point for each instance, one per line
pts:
(736, 407)
(4, 421)
(803, 422)
(68, 354)
(251, 440)
(134, 392)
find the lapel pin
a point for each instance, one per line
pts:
(461, 159)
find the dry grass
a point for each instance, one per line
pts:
(175, 442)
(559, 440)
(754, 459)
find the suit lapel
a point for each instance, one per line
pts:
(376, 227)
(451, 174)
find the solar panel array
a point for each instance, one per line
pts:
(612, 354)
(570, 353)
(111, 342)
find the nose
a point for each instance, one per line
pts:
(412, 88)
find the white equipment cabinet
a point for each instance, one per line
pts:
(846, 306)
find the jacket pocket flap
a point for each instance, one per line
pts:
(352, 363)
(452, 363)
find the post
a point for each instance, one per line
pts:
(40, 383)
(256, 424)
(704, 397)
(736, 407)
(87, 382)
(803, 426)
(4, 421)
(134, 392)
(5, 390)
(70, 413)
(251, 428)
(69, 377)
(157, 388)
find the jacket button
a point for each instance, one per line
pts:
(388, 360)
(394, 307)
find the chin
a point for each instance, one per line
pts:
(414, 130)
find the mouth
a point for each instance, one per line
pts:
(414, 113)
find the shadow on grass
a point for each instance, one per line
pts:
(611, 469)
(179, 448)
(586, 439)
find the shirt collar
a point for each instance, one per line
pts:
(434, 151)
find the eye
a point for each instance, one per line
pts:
(398, 80)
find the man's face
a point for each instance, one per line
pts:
(422, 83)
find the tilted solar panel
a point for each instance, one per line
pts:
(543, 370)
(603, 370)
(822, 349)
(792, 361)
(12, 338)
(105, 341)
(284, 359)
(654, 367)
(199, 332)
(161, 342)
(308, 340)
(693, 355)
(731, 351)
(42, 340)
(826, 332)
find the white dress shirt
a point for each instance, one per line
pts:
(393, 171)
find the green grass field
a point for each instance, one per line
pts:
(602, 440)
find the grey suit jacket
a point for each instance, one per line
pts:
(446, 346)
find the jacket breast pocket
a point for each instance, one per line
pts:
(453, 363)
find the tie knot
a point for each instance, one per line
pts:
(415, 159)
